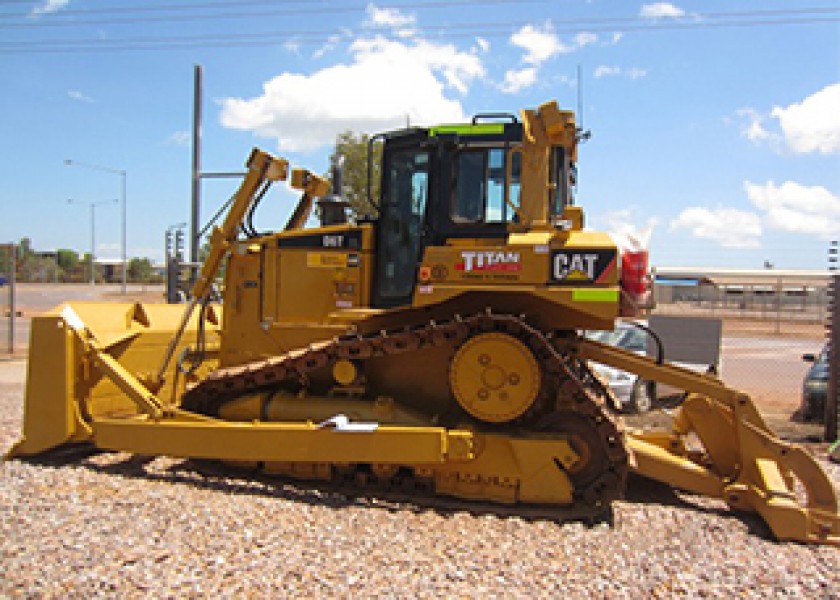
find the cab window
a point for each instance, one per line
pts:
(482, 177)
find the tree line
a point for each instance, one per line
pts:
(67, 266)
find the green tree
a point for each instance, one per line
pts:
(24, 248)
(67, 259)
(140, 270)
(73, 267)
(354, 148)
(5, 262)
(34, 266)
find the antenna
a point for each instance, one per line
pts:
(582, 134)
(579, 97)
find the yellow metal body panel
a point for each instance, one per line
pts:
(528, 268)
(282, 290)
(509, 469)
(296, 442)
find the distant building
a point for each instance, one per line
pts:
(747, 290)
(109, 270)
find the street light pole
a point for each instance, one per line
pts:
(92, 206)
(122, 237)
(123, 175)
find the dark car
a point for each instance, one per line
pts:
(2, 281)
(814, 388)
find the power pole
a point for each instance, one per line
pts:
(195, 221)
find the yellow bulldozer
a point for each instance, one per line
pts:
(434, 349)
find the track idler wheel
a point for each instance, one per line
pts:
(495, 377)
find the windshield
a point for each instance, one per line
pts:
(487, 186)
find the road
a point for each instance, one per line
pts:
(32, 299)
(37, 297)
(771, 368)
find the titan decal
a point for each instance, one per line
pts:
(473, 260)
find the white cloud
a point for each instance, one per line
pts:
(79, 96)
(482, 44)
(48, 7)
(753, 128)
(539, 44)
(516, 80)
(292, 46)
(812, 125)
(179, 138)
(622, 226)
(107, 248)
(458, 68)
(661, 10)
(584, 39)
(790, 207)
(811, 210)
(606, 71)
(330, 44)
(388, 17)
(729, 227)
(613, 71)
(410, 79)
(406, 32)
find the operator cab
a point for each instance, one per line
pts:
(452, 182)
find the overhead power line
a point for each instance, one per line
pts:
(66, 12)
(57, 19)
(444, 31)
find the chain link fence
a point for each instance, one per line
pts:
(774, 332)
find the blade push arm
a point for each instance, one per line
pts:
(263, 169)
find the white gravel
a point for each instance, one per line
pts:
(110, 525)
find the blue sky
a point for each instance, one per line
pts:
(715, 124)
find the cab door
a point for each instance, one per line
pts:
(401, 226)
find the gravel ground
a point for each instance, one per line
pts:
(109, 525)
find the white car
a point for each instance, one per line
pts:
(634, 393)
(689, 342)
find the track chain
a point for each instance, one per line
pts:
(568, 384)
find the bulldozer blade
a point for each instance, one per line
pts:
(90, 360)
